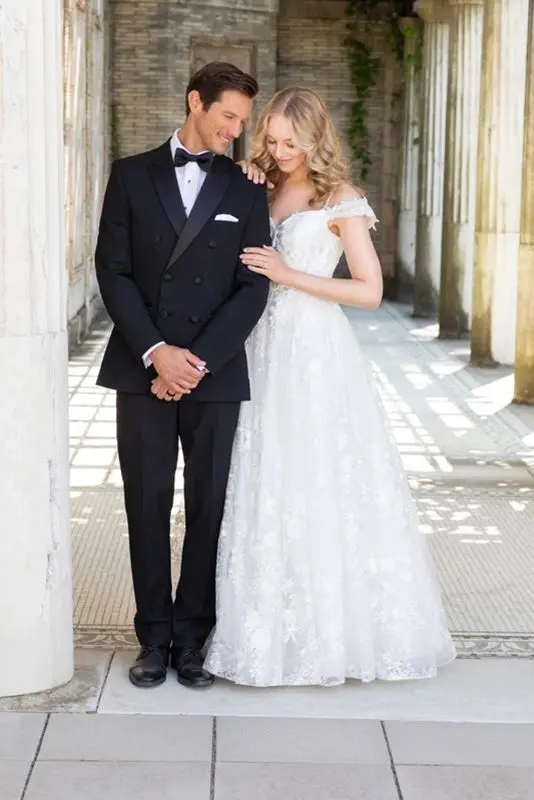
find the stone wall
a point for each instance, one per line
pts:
(87, 146)
(311, 53)
(158, 44)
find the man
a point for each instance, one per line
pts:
(174, 222)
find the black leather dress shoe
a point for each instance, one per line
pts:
(188, 663)
(150, 667)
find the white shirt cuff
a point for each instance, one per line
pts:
(146, 360)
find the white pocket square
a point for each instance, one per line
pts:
(225, 218)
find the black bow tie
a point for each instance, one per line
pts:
(182, 157)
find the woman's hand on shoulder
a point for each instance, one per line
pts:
(254, 173)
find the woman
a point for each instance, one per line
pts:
(322, 574)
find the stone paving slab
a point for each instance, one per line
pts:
(97, 756)
(20, 735)
(307, 741)
(119, 737)
(13, 775)
(309, 781)
(484, 395)
(461, 744)
(468, 690)
(466, 783)
(103, 780)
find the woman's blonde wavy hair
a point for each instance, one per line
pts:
(314, 133)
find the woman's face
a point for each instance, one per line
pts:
(281, 145)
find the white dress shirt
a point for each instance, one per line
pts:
(190, 178)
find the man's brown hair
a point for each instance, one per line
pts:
(217, 77)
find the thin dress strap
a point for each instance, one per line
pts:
(329, 198)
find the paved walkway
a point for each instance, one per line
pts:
(470, 458)
(465, 735)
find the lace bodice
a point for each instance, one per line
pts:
(305, 241)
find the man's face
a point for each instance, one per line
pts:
(223, 121)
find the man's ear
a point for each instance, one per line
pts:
(194, 100)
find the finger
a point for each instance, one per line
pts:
(158, 390)
(270, 185)
(257, 258)
(184, 381)
(188, 373)
(191, 358)
(189, 378)
(176, 388)
(253, 251)
(254, 261)
(185, 386)
(259, 270)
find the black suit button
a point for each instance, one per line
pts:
(194, 319)
(163, 313)
(157, 238)
(167, 277)
(211, 245)
(197, 281)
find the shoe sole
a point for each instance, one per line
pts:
(145, 684)
(195, 684)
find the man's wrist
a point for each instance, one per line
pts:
(147, 360)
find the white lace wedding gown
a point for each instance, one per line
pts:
(322, 573)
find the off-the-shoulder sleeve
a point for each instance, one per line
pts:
(357, 207)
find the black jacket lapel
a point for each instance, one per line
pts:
(164, 177)
(210, 195)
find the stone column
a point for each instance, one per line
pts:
(460, 167)
(409, 160)
(35, 560)
(524, 353)
(434, 75)
(499, 178)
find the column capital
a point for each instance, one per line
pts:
(433, 11)
(461, 3)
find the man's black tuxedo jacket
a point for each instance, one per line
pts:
(166, 277)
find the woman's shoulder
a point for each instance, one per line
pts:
(349, 201)
(344, 193)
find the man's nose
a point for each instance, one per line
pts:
(237, 129)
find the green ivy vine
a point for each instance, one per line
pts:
(364, 67)
(363, 71)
